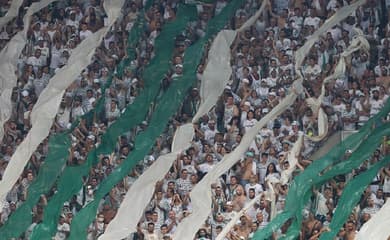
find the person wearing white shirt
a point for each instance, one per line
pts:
(375, 102)
(72, 21)
(338, 105)
(208, 165)
(56, 53)
(312, 69)
(253, 184)
(37, 60)
(42, 45)
(150, 233)
(349, 117)
(312, 20)
(85, 32)
(63, 229)
(210, 132)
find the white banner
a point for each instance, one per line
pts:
(12, 12)
(378, 226)
(8, 62)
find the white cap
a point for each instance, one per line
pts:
(96, 80)
(91, 137)
(245, 80)
(247, 103)
(25, 93)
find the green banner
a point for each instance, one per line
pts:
(350, 197)
(55, 161)
(300, 189)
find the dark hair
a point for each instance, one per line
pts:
(273, 164)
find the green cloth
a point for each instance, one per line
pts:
(365, 142)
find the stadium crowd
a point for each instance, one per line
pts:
(263, 72)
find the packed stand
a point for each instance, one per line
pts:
(263, 67)
(263, 71)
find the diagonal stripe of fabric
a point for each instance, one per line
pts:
(378, 226)
(8, 62)
(217, 66)
(300, 189)
(48, 172)
(362, 153)
(350, 197)
(168, 105)
(12, 12)
(45, 110)
(69, 184)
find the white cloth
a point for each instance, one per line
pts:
(12, 12)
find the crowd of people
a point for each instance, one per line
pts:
(263, 72)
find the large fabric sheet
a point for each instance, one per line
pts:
(351, 196)
(217, 73)
(378, 226)
(218, 70)
(12, 12)
(55, 161)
